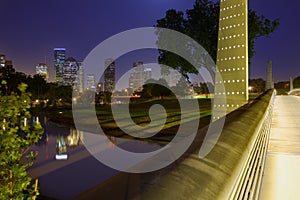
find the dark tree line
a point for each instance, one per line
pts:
(201, 23)
(258, 85)
(296, 82)
(160, 88)
(37, 87)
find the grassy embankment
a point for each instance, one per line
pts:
(139, 114)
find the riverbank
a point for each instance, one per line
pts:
(139, 114)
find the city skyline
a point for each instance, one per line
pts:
(41, 33)
(112, 123)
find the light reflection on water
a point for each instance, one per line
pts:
(65, 168)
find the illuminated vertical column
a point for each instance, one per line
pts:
(291, 83)
(232, 55)
(269, 79)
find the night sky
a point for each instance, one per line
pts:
(31, 29)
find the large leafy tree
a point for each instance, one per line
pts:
(296, 82)
(38, 86)
(201, 23)
(12, 79)
(258, 85)
(156, 88)
(16, 136)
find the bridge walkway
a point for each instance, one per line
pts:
(281, 177)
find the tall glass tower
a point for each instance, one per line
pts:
(80, 81)
(70, 71)
(59, 60)
(109, 75)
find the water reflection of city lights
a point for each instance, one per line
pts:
(61, 157)
(61, 149)
(73, 138)
(112, 142)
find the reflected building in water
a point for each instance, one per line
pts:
(61, 148)
(65, 141)
(73, 139)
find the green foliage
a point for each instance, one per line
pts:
(107, 96)
(282, 87)
(15, 139)
(296, 82)
(259, 26)
(204, 89)
(11, 79)
(156, 88)
(201, 23)
(38, 87)
(258, 85)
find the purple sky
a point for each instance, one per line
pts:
(31, 29)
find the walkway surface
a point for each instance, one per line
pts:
(281, 180)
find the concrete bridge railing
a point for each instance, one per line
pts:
(232, 170)
(248, 182)
(295, 91)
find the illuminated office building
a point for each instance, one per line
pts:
(147, 74)
(70, 71)
(139, 76)
(80, 81)
(90, 82)
(109, 75)
(59, 60)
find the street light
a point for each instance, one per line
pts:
(250, 88)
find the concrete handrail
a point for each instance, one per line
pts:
(247, 184)
(233, 169)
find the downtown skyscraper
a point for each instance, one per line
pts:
(70, 71)
(90, 82)
(59, 60)
(109, 75)
(80, 78)
(139, 76)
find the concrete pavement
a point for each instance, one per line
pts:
(281, 177)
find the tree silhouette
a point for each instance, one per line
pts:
(156, 88)
(201, 23)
